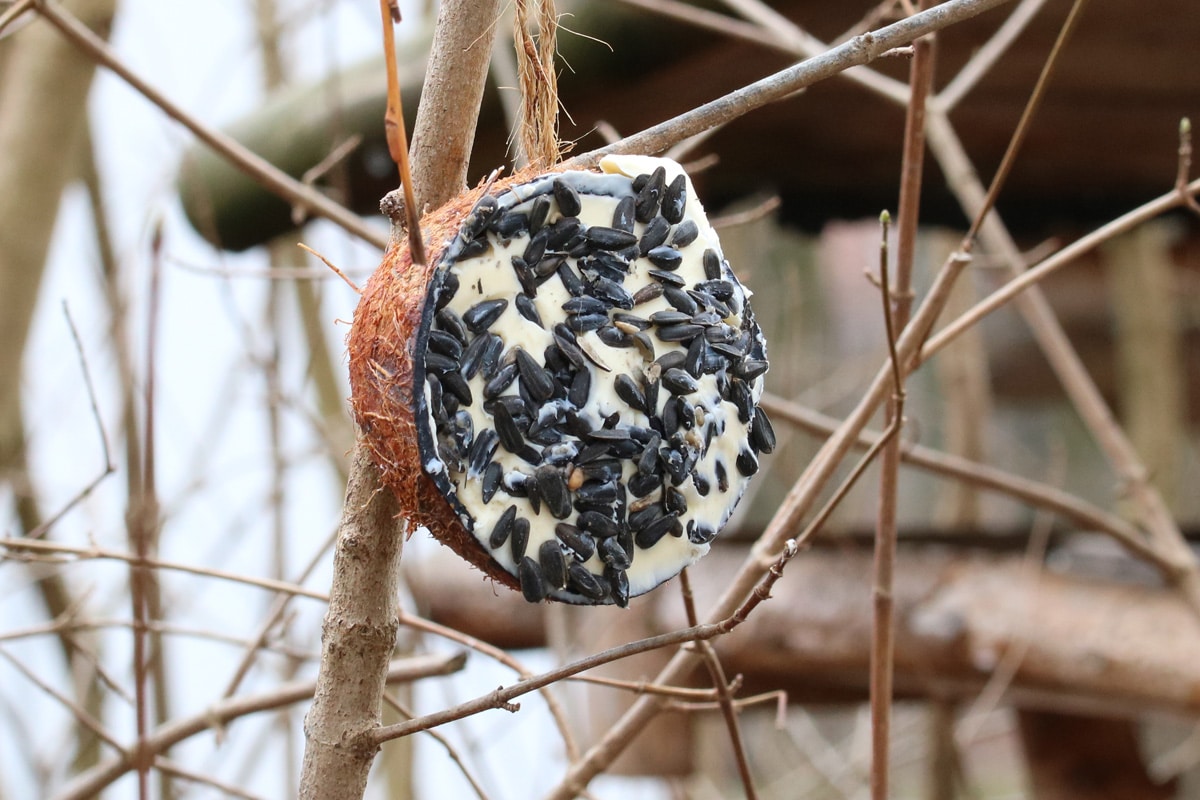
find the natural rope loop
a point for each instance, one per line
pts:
(537, 122)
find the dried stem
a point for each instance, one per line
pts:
(397, 137)
(1031, 107)
(896, 309)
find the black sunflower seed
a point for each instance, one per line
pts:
(597, 524)
(444, 343)
(650, 196)
(562, 231)
(712, 265)
(597, 492)
(510, 435)
(609, 238)
(699, 533)
(667, 277)
(565, 340)
(750, 368)
(535, 249)
(622, 218)
(480, 316)
(553, 564)
(644, 345)
(669, 317)
(651, 389)
(683, 332)
(552, 487)
(528, 310)
(581, 386)
(628, 390)
(571, 280)
(701, 483)
(474, 248)
(674, 199)
(538, 214)
(665, 257)
(762, 433)
(601, 469)
(618, 585)
(685, 234)
(447, 290)
(641, 485)
(609, 291)
(509, 224)
(675, 501)
(533, 583)
(632, 320)
(585, 304)
(489, 362)
(472, 355)
(693, 362)
(452, 324)
(519, 538)
(720, 289)
(457, 386)
(582, 323)
(742, 397)
(581, 581)
(747, 462)
(503, 378)
(645, 516)
(438, 363)
(481, 214)
(647, 293)
(568, 199)
(491, 481)
(525, 276)
(650, 535)
(655, 234)
(534, 377)
(481, 452)
(674, 465)
(502, 528)
(577, 425)
(612, 554)
(614, 337)
(680, 300)
(581, 544)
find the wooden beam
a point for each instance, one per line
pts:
(1071, 644)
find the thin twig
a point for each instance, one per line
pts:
(446, 744)
(19, 8)
(1184, 169)
(333, 268)
(397, 137)
(17, 548)
(79, 712)
(724, 696)
(1031, 106)
(109, 467)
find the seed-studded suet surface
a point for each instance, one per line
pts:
(582, 376)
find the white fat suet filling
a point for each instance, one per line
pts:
(491, 276)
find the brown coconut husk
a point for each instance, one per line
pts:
(383, 398)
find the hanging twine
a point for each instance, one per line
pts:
(537, 122)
